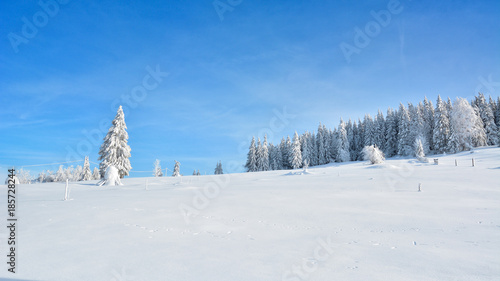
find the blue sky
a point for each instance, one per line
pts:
(227, 76)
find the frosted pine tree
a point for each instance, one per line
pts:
(296, 156)
(304, 144)
(488, 118)
(428, 115)
(369, 131)
(251, 164)
(405, 140)
(263, 156)
(177, 169)
(391, 133)
(115, 151)
(194, 173)
(218, 169)
(379, 126)
(86, 174)
(343, 154)
(419, 150)
(322, 150)
(157, 172)
(95, 174)
(441, 131)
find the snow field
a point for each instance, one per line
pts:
(348, 221)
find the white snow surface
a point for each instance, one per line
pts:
(272, 225)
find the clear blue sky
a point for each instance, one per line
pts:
(228, 72)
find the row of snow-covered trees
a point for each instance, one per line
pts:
(70, 173)
(447, 127)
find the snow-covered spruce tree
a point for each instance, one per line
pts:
(86, 174)
(115, 151)
(419, 150)
(428, 116)
(322, 147)
(287, 154)
(95, 174)
(488, 118)
(296, 155)
(369, 131)
(194, 173)
(467, 127)
(373, 154)
(251, 164)
(379, 126)
(441, 132)
(391, 133)
(157, 172)
(177, 168)
(343, 154)
(263, 155)
(405, 140)
(416, 122)
(198, 173)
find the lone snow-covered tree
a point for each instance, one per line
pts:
(157, 169)
(86, 174)
(115, 151)
(177, 168)
(251, 164)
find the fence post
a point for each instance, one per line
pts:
(473, 163)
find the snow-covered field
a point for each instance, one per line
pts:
(349, 221)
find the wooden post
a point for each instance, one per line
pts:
(419, 185)
(66, 194)
(456, 163)
(436, 161)
(473, 163)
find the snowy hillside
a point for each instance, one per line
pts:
(349, 221)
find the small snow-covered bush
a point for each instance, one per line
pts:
(373, 154)
(111, 177)
(419, 150)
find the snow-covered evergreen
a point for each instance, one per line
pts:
(218, 169)
(95, 174)
(488, 118)
(177, 169)
(441, 132)
(296, 155)
(157, 172)
(115, 150)
(343, 154)
(86, 174)
(251, 164)
(111, 177)
(405, 137)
